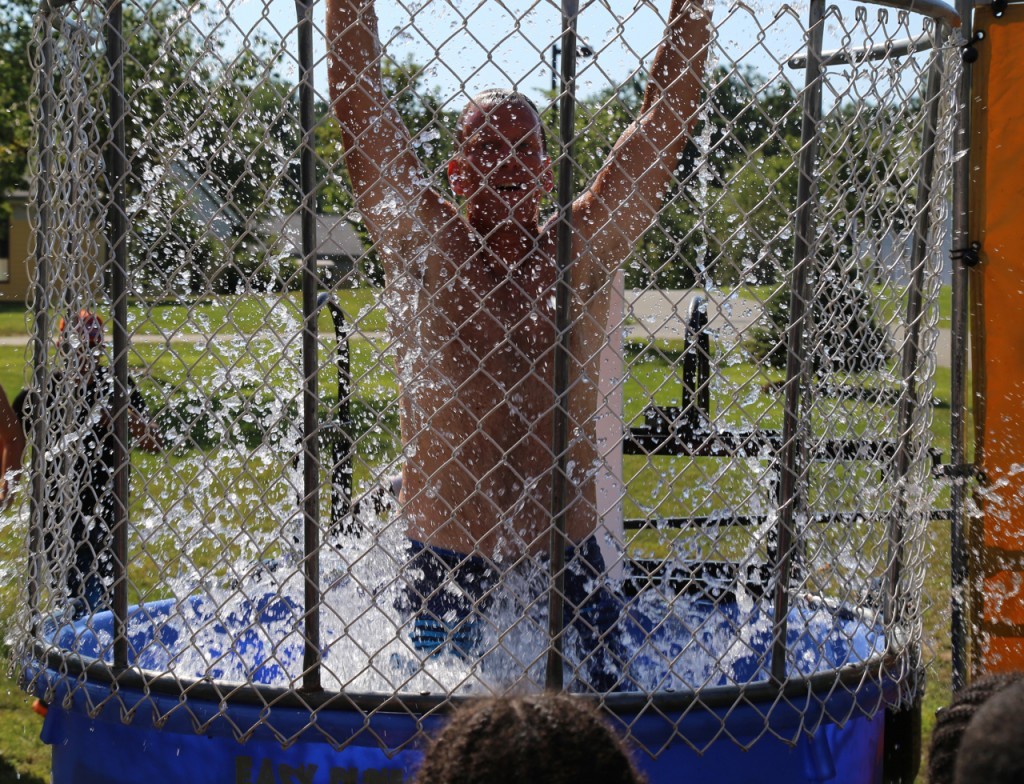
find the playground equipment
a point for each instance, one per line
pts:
(773, 469)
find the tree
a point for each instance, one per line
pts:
(727, 213)
(206, 145)
(866, 183)
(15, 94)
(751, 220)
(211, 146)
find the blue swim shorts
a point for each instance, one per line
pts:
(448, 593)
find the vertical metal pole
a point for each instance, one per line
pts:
(563, 292)
(40, 369)
(341, 450)
(691, 376)
(117, 244)
(555, 51)
(696, 392)
(958, 371)
(310, 358)
(341, 454)
(789, 454)
(699, 322)
(911, 343)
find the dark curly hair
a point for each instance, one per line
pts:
(992, 747)
(951, 721)
(543, 739)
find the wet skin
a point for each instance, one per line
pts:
(478, 425)
(471, 290)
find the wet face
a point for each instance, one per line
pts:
(501, 169)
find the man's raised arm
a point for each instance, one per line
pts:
(629, 189)
(611, 216)
(388, 181)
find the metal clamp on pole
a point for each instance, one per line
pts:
(969, 256)
(970, 51)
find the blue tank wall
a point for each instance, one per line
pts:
(104, 749)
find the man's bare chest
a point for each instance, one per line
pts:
(508, 319)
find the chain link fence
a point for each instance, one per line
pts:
(296, 440)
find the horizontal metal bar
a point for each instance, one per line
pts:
(73, 666)
(863, 54)
(94, 36)
(720, 520)
(715, 521)
(648, 441)
(48, 6)
(714, 580)
(936, 9)
(952, 471)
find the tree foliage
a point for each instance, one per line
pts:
(214, 151)
(212, 139)
(15, 93)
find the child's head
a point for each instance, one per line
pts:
(992, 748)
(543, 739)
(83, 330)
(951, 723)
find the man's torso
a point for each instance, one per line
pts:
(474, 354)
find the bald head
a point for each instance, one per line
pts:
(482, 105)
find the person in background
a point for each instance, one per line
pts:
(992, 748)
(12, 445)
(79, 479)
(542, 739)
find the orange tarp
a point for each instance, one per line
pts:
(996, 561)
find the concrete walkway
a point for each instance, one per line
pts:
(658, 314)
(662, 314)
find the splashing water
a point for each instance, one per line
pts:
(251, 632)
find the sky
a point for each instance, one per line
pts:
(469, 45)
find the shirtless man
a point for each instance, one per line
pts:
(471, 291)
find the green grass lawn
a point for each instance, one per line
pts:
(23, 757)
(13, 368)
(200, 366)
(14, 319)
